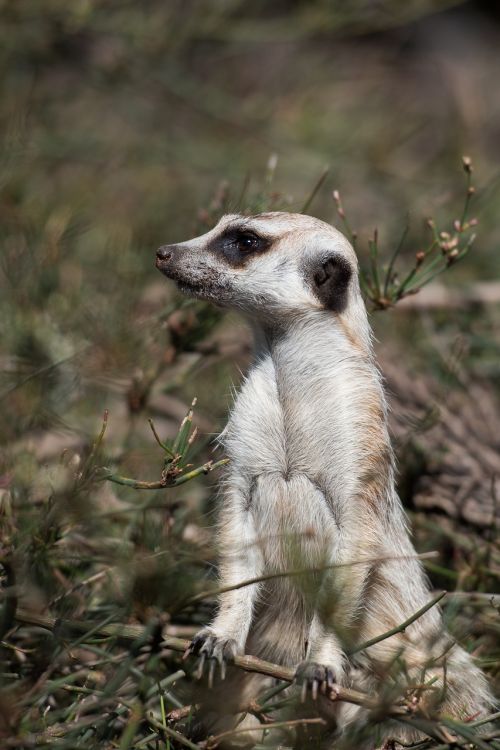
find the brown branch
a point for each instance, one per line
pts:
(127, 633)
(169, 732)
(213, 742)
(177, 714)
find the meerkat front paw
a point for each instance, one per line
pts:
(214, 649)
(314, 677)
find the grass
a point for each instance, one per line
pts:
(105, 563)
(117, 125)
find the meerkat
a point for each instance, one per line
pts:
(311, 477)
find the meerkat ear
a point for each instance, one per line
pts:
(331, 278)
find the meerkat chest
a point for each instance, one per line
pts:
(254, 438)
(282, 424)
(291, 516)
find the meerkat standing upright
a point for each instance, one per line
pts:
(310, 482)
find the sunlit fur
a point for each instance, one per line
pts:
(311, 480)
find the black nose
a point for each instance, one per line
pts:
(164, 253)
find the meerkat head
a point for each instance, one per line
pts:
(268, 265)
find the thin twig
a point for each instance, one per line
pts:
(166, 730)
(400, 628)
(209, 593)
(212, 742)
(315, 190)
(395, 254)
(160, 442)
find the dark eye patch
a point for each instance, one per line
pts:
(238, 244)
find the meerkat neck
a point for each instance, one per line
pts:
(327, 345)
(333, 404)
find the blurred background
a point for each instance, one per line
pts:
(129, 125)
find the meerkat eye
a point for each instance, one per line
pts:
(247, 241)
(239, 245)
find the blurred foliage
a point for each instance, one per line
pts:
(118, 122)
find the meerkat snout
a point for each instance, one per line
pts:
(163, 255)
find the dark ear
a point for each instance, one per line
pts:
(331, 278)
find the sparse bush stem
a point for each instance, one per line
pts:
(381, 286)
(174, 468)
(352, 235)
(315, 190)
(399, 247)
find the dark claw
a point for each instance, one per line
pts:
(215, 659)
(218, 651)
(303, 692)
(196, 644)
(330, 679)
(200, 667)
(313, 677)
(314, 689)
